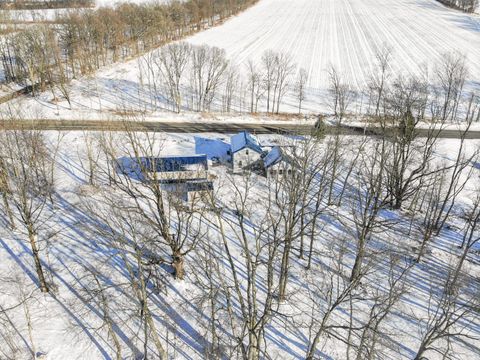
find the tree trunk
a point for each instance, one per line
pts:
(357, 267)
(253, 348)
(313, 347)
(284, 270)
(178, 266)
(420, 352)
(36, 258)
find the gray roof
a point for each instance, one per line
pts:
(199, 185)
(244, 140)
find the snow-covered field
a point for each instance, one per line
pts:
(317, 34)
(40, 15)
(348, 34)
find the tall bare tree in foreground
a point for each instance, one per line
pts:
(124, 230)
(254, 294)
(410, 155)
(328, 293)
(136, 172)
(367, 201)
(471, 237)
(28, 177)
(445, 185)
(446, 316)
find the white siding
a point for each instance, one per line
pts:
(243, 158)
(278, 170)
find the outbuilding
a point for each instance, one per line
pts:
(277, 163)
(178, 168)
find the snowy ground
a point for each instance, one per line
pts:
(348, 34)
(114, 2)
(52, 14)
(64, 326)
(317, 34)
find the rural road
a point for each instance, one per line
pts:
(196, 127)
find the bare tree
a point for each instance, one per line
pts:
(327, 294)
(255, 87)
(471, 237)
(29, 178)
(124, 230)
(445, 316)
(176, 226)
(208, 67)
(231, 86)
(410, 156)
(380, 77)
(451, 74)
(284, 69)
(259, 247)
(171, 61)
(341, 93)
(294, 197)
(383, 304)
(268, 64)
(300, 89)
(20, 296)
(368, 199)
(94, 290)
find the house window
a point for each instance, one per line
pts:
(239, 163)
(246, 152)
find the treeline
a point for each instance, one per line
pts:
(468, 6)
(45, 4)
(201, 78)
(183, 77)
(87, 40)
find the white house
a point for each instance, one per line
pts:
(246, 150)
(276, 163)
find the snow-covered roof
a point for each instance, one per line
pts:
(273, 157)
(243, 140)
(175, 163)
(276, 155)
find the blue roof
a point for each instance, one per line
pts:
(244, 140)
(174, 163)
(273, 157)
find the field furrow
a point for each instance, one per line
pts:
(348, 33)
